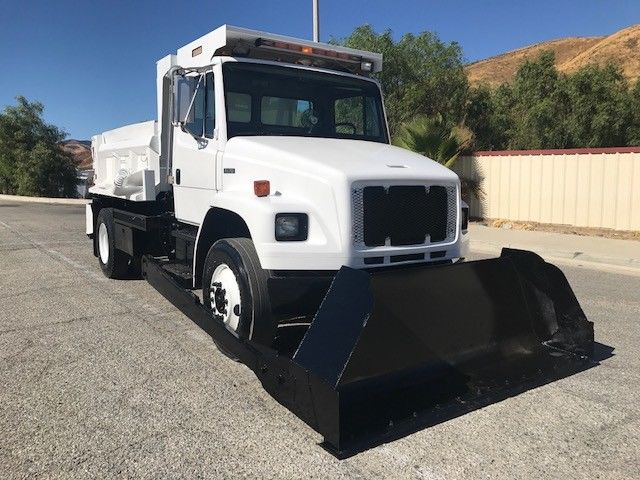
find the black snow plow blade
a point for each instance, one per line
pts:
(391, 352)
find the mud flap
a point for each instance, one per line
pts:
(397, 349)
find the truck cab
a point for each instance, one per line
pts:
(269, 168)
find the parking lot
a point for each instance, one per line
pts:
(105, 378)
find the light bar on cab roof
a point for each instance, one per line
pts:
(366, 66)
(230, 41)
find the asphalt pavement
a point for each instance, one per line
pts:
(104, 378)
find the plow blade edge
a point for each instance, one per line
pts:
(394, 351)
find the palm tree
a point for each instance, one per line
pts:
(431, 137)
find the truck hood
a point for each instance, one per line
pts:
(329, 157)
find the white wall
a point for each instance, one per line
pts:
(585, 187)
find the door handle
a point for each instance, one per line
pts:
(177, 176)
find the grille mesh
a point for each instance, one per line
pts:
(403, 215)
(357, 217)
(452, 212)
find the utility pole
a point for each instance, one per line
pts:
(316, 21)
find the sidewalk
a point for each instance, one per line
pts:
(55, 201)
(574, 249)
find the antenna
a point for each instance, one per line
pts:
(316, 21)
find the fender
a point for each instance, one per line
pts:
(218, 223)
(236, 214)
(233, 215)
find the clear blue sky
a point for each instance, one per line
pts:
(92, 63)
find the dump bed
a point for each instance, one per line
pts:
(126, 162)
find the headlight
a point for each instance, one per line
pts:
(291, 227)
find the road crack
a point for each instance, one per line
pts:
(46, 325)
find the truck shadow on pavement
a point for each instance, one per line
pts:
(458, 405)
(450, 405)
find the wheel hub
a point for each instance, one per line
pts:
(103, 243)
(220, 298)
(225, 297)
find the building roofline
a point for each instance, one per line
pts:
(556, 151)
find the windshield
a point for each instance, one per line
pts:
(273, 100)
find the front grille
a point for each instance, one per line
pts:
(404, 215)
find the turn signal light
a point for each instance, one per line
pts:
(261, 188)
(307, 50)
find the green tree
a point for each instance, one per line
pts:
(31, 161)
(599, 113)
(541, 108)
(538, 106)
(489, 116)
(633, 133)
(421, 74)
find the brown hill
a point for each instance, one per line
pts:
(621, 48)
(80, 150)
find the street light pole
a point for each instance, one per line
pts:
(316, 21)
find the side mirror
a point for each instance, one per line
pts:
(188, 90)
(184, 89)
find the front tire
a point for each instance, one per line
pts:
(234, 290)
(113, 262)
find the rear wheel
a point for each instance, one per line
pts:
(234, 290)
(113, 262)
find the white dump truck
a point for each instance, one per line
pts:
(269, 181)
(273, 156)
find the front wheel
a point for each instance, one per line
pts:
(234, 290)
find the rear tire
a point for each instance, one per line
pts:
(114, 263)
(234, 290)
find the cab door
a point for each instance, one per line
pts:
(195, 147)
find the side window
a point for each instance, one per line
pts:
(201, 119)
(210, 107)
(195, 118)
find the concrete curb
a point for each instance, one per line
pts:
(55, 201)
(624, 265)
